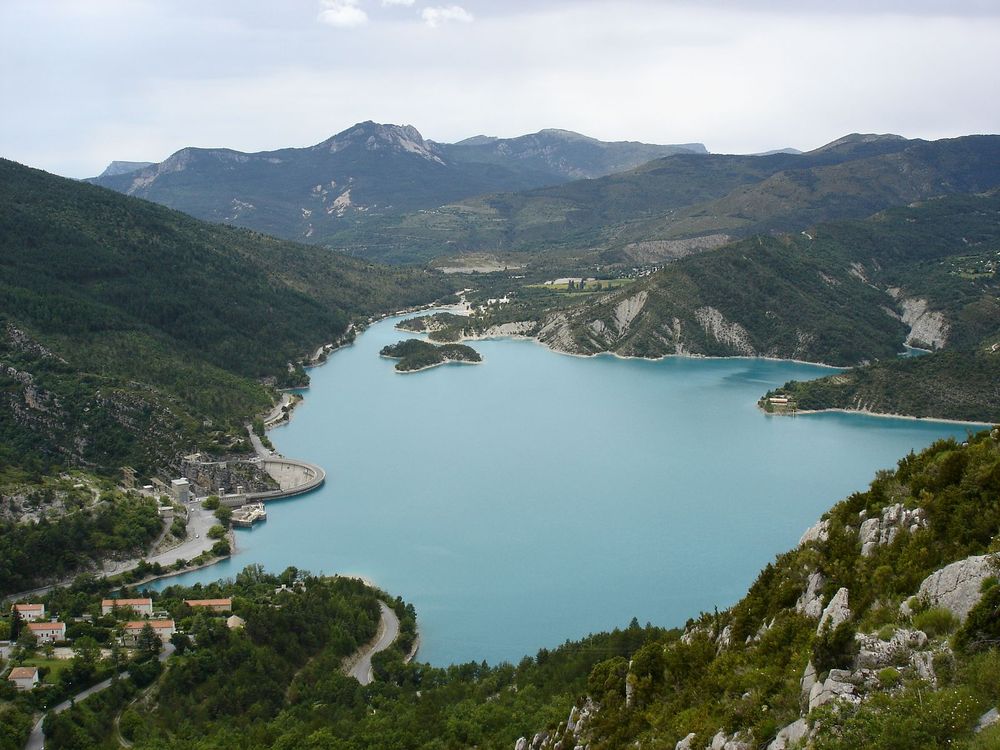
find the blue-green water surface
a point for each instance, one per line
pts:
(538, 497)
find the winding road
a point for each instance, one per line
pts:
(388, 631)
(36, 740)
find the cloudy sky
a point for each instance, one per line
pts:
(87, 81)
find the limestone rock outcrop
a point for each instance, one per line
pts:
(818, 532)
(883, 529)
(794, 732)
(838, 685)
(723, 741)
(810, 603)
(957, 587)
(836, 612)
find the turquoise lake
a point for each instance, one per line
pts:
(538, 497)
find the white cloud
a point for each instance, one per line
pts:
(398, 2)
(343, 14)
(442, 14)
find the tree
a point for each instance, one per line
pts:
(148, 643)
(211, 502)
(224, 515)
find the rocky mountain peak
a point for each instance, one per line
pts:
(374, 136)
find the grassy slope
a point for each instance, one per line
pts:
(123, 318)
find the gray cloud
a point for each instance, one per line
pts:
(137, 79)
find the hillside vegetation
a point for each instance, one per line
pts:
(130, 332)
(844, 642)
(685, 203)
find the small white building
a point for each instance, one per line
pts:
(24, 678)
(139, 606)
(48, 632)
(180, 489)
(131, 631)
(235, 622)
(30, 611)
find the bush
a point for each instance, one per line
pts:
(834, 648)
(211, 502)
(888, 677)
(217, 532)
(936, 621)
(221, 548)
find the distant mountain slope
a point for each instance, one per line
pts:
(116, 168)
(563, 152)
(367, 170)
(638, 216)
(847, 292)
(129, 331)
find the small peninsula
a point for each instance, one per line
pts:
(415, 355)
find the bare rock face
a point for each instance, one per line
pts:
(837, 686)
(874, 653)
(836, 612)
(987, 720)
(882, 530)
(956, 587)
(809, 677)
(810, 603)
(521, 744)
(794, 732)
(723, 741)
(685, 744)
(818, 532)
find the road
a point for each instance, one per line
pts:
(197, 541)
(36, 740)
(388, 632)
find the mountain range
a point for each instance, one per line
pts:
(368, 170)
(686, 202)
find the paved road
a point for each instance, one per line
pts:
(198, 541)
(36, 740)
(388, 632)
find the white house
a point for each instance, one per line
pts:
(139, 606)
(163, 628)
(24, 678)
(30, 611)
(47, 632)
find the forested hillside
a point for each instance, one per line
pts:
(129, 332)
(853, 639)
(686, 202)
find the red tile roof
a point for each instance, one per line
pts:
(46, 626)
(22, 673)
(155, 624)
(209, 602)
(126, 602)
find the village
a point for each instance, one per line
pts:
(43, 644)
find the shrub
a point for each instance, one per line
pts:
(834, 648)
(888, 677)
(936, 621)
(211, 502)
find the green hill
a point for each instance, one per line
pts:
(130, 332)
(844, 293)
